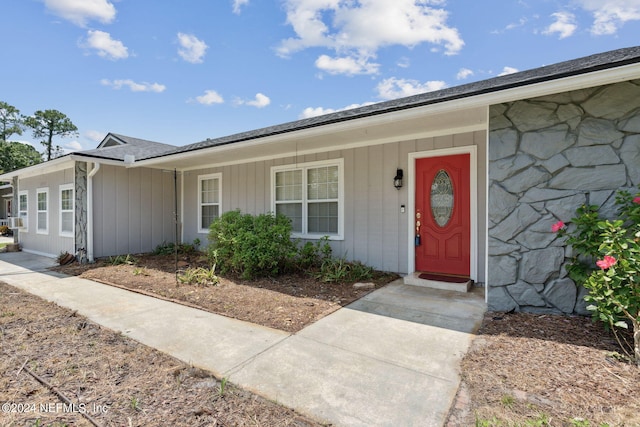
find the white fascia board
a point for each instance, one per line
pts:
(526, 91)
(55, 165)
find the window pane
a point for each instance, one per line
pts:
(323, 217)
(67, 222)
(322, 183)
(23, 202)
(42, 201)
(67, 200)
(293, 211)
(42, 220)
(209, 191)
(289, 185)
(209, 214)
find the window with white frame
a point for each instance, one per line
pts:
(23, 209)
(209, 196)
(310, 195)
(66, 210)
(42, 205)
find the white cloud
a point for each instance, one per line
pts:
(81, 11)
(319, 111)
(358, 29)
(508, 70)
(191, 48)
(237, 5)
(135, 87)
(73, 146)
(210, 97)
(393, 88)
(464, 73)
(565, 25)
(260, 101)
(94, 135)
(105, 45)
(610, 15)
(404, 62)
(346, 65)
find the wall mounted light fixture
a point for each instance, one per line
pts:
(397, 180)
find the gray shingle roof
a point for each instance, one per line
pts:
(140, 148)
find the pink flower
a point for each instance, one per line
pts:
(606, 262)
(557, 226)
(636, 200)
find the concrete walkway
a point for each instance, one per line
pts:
(391, 358)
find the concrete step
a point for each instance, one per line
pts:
(415, 280)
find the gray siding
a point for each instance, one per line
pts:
(52, 243)
(375, 232)
(133, 210)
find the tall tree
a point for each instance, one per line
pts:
(15, 155)
(50, 123)
(11, 122)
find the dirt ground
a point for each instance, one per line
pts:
(289, 302)
(522, 370)
(546, 370)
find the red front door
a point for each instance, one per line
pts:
(442, 216)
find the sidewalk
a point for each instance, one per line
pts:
(391, 358)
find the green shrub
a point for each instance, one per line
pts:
(4, 230)
(313, 255)
(607, 263)
(169, 248)
(339, 270)
(252, 246)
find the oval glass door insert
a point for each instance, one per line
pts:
(442, 198)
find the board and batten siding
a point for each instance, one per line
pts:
(52, 243)
(133, 210)
(375, 230)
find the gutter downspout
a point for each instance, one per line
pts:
(95, 168)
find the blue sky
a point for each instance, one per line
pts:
(181, 72)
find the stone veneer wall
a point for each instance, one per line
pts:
(81, 205)
(547, 157)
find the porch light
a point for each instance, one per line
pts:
(397, 180)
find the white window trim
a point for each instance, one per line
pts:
(203, 178)
(38, 211)
(304, 167)
(24, 214)
(72, 210)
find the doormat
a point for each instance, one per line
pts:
(443, 278)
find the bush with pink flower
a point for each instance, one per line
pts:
(606, 260)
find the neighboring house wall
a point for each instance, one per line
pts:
(375, 231)
(547, 157)
(51, 242)
(133, 210)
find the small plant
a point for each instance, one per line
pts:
(134, 403)
(607, 263)
(122, 260)
(140, 271)
(200, 276)
(170, 248)
(313, 255)
(4, 230)
(223, 387)
(339, 270)
(507, 401)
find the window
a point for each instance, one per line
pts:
(23, 209)
(311, 196)
(209, 189)
(42, 219)
(66, 210)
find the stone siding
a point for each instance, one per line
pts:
(81, 206)
(547, 157)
